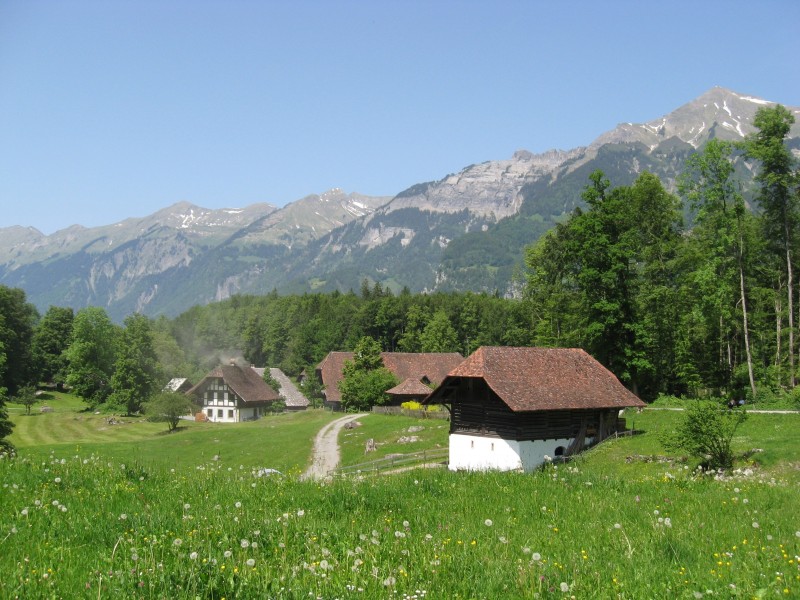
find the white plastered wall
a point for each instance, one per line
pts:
(476, 453)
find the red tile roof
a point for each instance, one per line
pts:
(532, 379)
(410, 387)
(243, 381)
(403, 365)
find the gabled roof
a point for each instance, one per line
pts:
(410, 387)
(403, 365)
(532, 379)
(244, 381)
(176, 383)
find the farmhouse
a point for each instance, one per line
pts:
(511, 408)
(424, 367)
(233, 393)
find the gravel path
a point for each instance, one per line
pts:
(325, 455)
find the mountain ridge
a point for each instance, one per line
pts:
(464, 231)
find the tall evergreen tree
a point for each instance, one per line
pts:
(719, 231)
(778, 197)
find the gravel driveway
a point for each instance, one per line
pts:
(325, 455)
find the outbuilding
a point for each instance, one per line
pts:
(515, 408)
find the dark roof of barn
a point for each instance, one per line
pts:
(533, 379)
(410, 387)
(404, 365)
(244, 381)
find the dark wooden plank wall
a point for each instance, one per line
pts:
(476, 410)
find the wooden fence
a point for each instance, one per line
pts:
(396, 462)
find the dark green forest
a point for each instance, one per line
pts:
(690, 293)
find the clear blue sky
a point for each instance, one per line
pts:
(117, 108)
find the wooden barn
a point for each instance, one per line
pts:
(233, 393)
(512, 408)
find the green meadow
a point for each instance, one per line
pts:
(92, 510)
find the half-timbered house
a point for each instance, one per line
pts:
(233, 393)
(513, 408)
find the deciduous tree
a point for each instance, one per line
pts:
(50, 341)
(168, 407)
(365, 379)
(91, 355)
(136, 369)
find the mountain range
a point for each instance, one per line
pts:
(466, 231)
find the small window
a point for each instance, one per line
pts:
(560, 451)
(210, 412)
(230, 414)
(219, 413)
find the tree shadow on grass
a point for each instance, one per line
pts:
(171, 431)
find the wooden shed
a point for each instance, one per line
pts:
(513, 408)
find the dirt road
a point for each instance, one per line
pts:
(325, 455)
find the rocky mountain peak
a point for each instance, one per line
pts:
(719, 112)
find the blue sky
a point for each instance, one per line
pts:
(117, 108)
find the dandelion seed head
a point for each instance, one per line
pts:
(564, 587)
(488, 522)
(24, 512)
(755, 525)
(187, 506)
(617, 526)
(244, 544)
(238, 505)
(193, 556)
(177, 542)
(227, 554)
(251, 562)
(536, 556)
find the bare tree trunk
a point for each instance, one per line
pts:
(744, 323)
(778, 333)
(790, 295)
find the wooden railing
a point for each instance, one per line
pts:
(395, 462)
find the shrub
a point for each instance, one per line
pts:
(705, 432)
(411, 405)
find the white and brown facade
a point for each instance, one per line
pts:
(513, 408)
(230, 394)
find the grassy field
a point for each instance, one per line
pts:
(387, 432)
(624, 520)
(280, 442)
